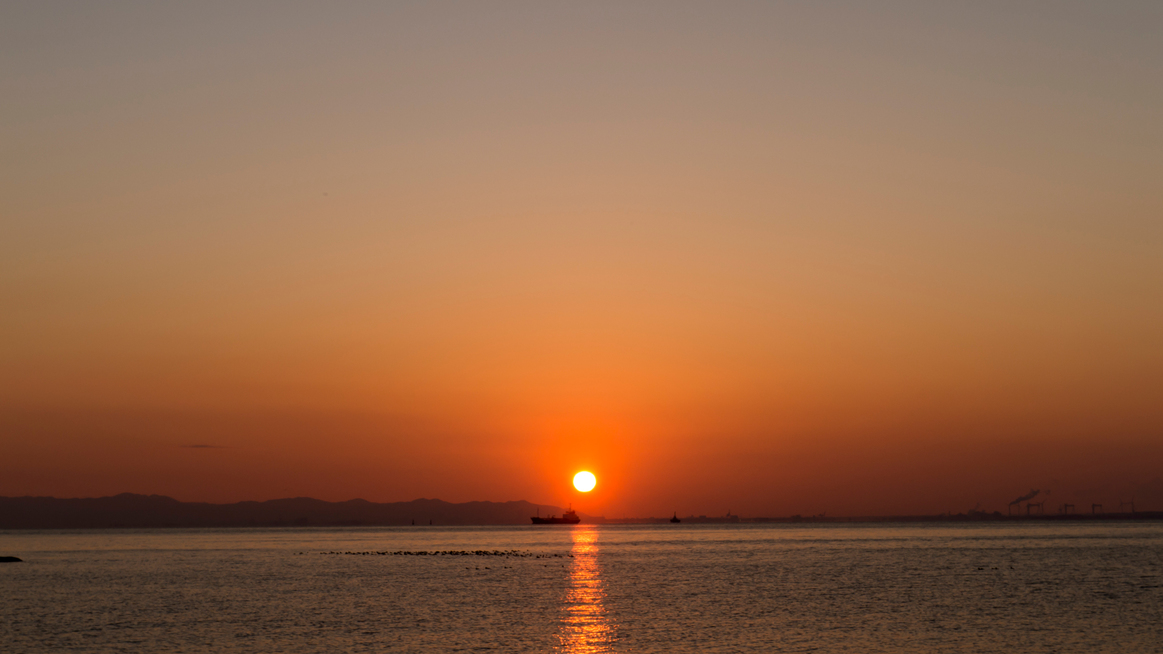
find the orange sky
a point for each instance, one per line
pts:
(772, 259)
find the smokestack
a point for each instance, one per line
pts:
(1028, 496)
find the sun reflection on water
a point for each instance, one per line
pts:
(585, 628)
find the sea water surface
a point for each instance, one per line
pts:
(1095, 587)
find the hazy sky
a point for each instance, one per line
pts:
(769, 257)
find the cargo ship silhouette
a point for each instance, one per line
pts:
(567, 518)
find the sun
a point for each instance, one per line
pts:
(585, 481)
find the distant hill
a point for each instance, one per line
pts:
(128, 510)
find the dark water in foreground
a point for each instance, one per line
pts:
(664, 588)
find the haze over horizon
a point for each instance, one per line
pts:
(773, 258)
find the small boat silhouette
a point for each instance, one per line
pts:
(675, 519)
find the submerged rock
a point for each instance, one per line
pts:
(10, 559)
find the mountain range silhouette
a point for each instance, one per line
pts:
(129, 510)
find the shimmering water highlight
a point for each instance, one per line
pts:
(590, 589)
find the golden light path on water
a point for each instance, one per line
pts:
(585, 628)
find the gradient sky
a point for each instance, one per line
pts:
(774, 258)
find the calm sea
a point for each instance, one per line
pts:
(659, 588)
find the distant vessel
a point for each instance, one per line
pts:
(567, 518)
(675, 519)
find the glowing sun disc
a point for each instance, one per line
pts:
(585, 481)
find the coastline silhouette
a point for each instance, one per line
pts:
(129, 510)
